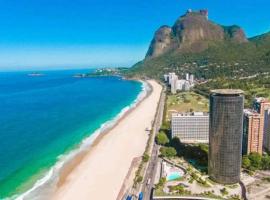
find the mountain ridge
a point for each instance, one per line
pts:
(197, 45)
(192, 31)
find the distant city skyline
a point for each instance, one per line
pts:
(91, 33)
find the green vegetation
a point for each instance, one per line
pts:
(255, 161)
(199, 179)
(235, 197)
(224, 64)
(186, 102)
(105, 72)
(145, 157)
(168, 152)
(179, 189)
(162, 138)
(161, 183)
(245, 162)
(232, 186)
(159, 187)
(210, 194)
(221, 59)
(139, 179)
(196, 154)
(253, 86)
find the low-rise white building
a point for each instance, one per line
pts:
(190, 127)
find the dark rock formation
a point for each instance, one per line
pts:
(192, 32)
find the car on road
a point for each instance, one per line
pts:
(129, 197)
(140, 196)
(148, 181)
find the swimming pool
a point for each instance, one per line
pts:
(173, 176)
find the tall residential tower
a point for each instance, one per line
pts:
(262, 106)
(252, 132)
(225, 135)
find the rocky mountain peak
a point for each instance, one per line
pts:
(192, 31)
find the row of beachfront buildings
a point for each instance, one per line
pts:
(194, 127)
(177, 84)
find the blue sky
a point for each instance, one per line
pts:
(84, 33)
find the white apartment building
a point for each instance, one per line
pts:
(190, 127)
(172, 76)
(179, 84)
(191, 79)
(187, 76)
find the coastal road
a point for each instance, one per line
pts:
(147, 186)
(150, 173)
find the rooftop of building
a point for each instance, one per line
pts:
(227, 91)
(191, 114)
(261, 99)
(251, 112)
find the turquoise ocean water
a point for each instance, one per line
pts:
(44, 117)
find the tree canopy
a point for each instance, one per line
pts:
(255, 161)
(162, 138)
(168, 152)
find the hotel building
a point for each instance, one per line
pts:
(225, 135)
(190, 127)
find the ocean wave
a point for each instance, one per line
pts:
(47, 184)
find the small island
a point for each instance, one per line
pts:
(35, 74)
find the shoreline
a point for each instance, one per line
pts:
(87, 169)
(66, 170)
(56, 175)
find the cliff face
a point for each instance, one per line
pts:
(192, 32)
(162, 42)
(197, 45)
(235, 33)
(239, 36)
(195, 27)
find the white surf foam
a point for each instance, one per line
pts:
(46, 185)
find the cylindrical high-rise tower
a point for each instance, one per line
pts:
(225, 135)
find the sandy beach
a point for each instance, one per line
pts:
(100, 173)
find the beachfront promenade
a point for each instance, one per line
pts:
(100, 174)
(152, 166)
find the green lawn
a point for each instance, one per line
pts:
(186, 102)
